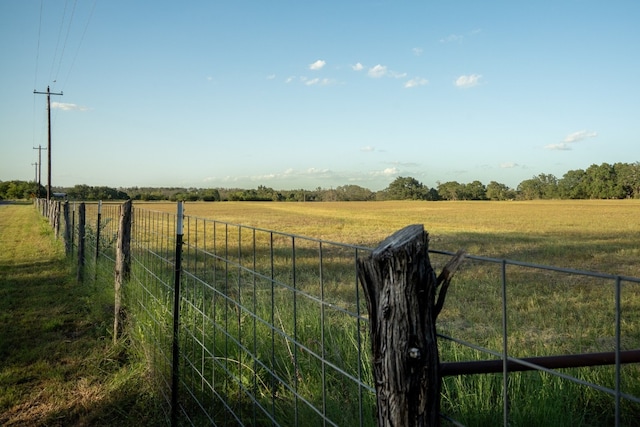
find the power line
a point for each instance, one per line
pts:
(66, 38)
(81, 40)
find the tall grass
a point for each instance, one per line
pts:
(264, 348)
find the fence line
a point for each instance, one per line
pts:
(266, 315)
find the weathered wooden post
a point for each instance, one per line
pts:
(81, 238)
(123, 266)
(68, 230)
(400, 288)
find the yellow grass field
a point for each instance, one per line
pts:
(594, 235)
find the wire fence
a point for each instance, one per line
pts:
(273, 330)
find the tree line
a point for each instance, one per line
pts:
(604, 181)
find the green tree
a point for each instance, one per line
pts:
(406, 189)
(601, 182)
(498, 191)
(628, 179)
(475, 191)
(451, 190)
(572, 185)
(353, 193)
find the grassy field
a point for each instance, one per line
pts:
(58, 366)
(595, 235)
(548, 313)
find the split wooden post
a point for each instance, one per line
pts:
(400, 288)
(123, 266)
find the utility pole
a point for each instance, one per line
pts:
(48, 93)
(39, 148)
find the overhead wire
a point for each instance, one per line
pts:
(66, 38)
(84, 32)
(55, 53)
(35, 77)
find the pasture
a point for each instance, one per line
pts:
(549, 314)
(593, 235)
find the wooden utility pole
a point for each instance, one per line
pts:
(39, 148)
(48, 93)
(404, 298)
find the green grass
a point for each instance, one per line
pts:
(58, 366)
(549, 313)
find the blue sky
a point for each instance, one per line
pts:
(296, 94)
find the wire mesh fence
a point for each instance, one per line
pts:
(273, 329)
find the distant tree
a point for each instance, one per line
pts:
(475, 191)
(406, 189)
(572, 185)
(628, 179)
(530, 189)
(451, 190)
(600, 182)
(353, 193)
(17, 190)
(498, 191)
(543, 186)
(210, 195)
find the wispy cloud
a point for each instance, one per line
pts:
(319, 81)
(377, 71)
(417, 51)
(465, 82)
(271, 76)
(415, 82)
(380, 70)
(508, 165)
(452, 38)
(318, 65)
(569, 140)
(68, 107)
(579, 136)
(367, 149)
(357, 67)
(387, 172)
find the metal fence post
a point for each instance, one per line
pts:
(98, 232)
(175, 381)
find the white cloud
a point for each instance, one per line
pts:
(318, 81)
(417, 51)
(377, 71)
(389, 172)
(367, 149)
(290, 79)
(68, 107)
(271, 76)
(319, 64)
(418, 81)
(357, 67)
(508, 165)
(572, 138)
(579, 136)
(561, 146)
(468, 81)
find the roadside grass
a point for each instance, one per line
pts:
(58, 365)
